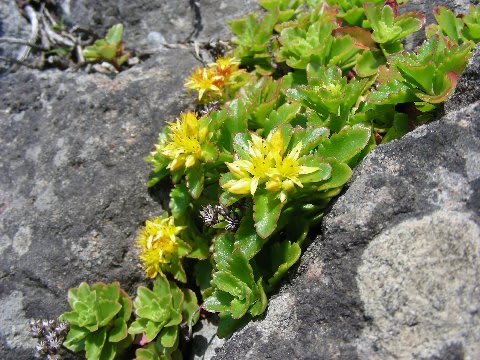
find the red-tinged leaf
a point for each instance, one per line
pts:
(362, 37)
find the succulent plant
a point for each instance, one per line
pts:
(389, 29)
(98, 320)
(109, 49)
(160, 312)
(235, 292)
(329, 94)
(458, 28)
(428, 76)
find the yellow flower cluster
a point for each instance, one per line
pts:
(267, 163)
(211, 80)
(158, 241)
(183, 145)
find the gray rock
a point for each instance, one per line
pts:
(72, 182)
(13, 25)
(176, 21)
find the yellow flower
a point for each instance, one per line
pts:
(284, 175)
(183, 143)
(225, 67)
(158, 242)
(204, 80)
(253, 171)
(267, 163)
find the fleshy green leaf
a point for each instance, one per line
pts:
(108, 351)
(195, 178)
(106, 311)
(168, 336)
(94, 344)
(179, 200)
(118, 332)
(219, 301)
(346, 144)
(246, 238)
(138, 326)
(283, 255)
(75, 337)
(190, 311)
(114, 34)
(227, 282)
(267, 208)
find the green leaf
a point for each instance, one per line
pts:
(209, 152)
(235, 122)
(82, 293)
(246, 237)
(155, 176)
(448, 22)
(108, 351)
(323, 173)
(138, 326)
(152, 330)
(283, 115)
(94, 344)
(126, 312)
(118, 332)
(75, 337)
(219, 301)
(179, 200)
(261, 302)
(239, 266)
(223, 248)
(195, 178)
(228, 325)
(239, 307)
(241, 146)
(341, 173)
(267, 208)
(227, 282)
(394, 92)
(168, 336)
(283, 255)
(114, 34)
(368, 63)
(190, 309)
(106, 311)
(399, 128)
(109, 292)
(71, 317)
(344, 145)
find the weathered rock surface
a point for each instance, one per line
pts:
(12, 24)
(72, 180)
(395, 270)
(152, 23)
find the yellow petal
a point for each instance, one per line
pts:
(275, 142)
(190, 161)
(273, 185)
(295, 153)
(253, 185)
(288, 184)
(283, 197)
(237, 169)
(239, 187)
(176, 164)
